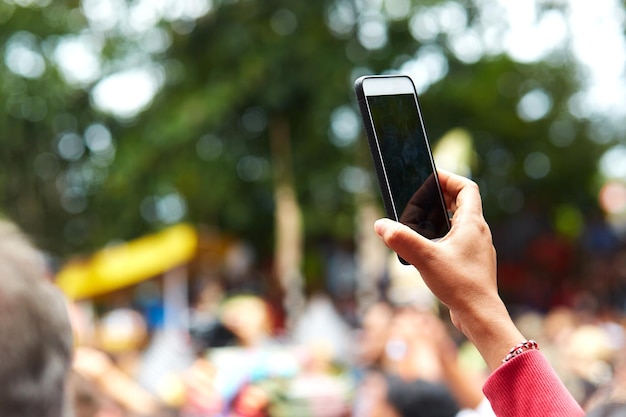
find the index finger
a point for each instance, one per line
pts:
(459, 191)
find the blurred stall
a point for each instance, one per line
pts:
(129, 263)
(159, 268)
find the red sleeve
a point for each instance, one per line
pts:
(528, 386)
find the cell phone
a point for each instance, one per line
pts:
(401, 154)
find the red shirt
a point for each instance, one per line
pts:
(528, 386)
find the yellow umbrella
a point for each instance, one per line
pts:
(126, 264)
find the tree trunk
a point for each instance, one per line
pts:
(372, 254)
(288, 246)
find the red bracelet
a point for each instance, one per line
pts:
(520, 348)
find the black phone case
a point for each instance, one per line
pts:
(375, 153)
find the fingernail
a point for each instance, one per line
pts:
(380, 225)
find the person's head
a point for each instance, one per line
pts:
(420, 398)
(247, 316)
(35, 332)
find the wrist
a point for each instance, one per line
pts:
(491, 330)
(520, 348)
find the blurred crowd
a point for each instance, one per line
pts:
(400, 361)
(401, 358)
(398, 357)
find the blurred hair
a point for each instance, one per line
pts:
(420, 398)
(35, 332)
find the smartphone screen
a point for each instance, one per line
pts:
(402, 156)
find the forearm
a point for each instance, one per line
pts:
(527, 385)
(123, 389)
(96, 367)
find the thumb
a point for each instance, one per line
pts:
(406, 242)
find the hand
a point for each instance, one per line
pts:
(91, 363)
(460, 269)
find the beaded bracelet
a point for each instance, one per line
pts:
(520, 348)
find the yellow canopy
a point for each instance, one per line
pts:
(130, 263)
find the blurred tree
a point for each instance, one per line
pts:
(248, 121)
(42, 153)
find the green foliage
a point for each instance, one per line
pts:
(483, 99)
(205, 137)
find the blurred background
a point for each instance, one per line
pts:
(171, 156)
